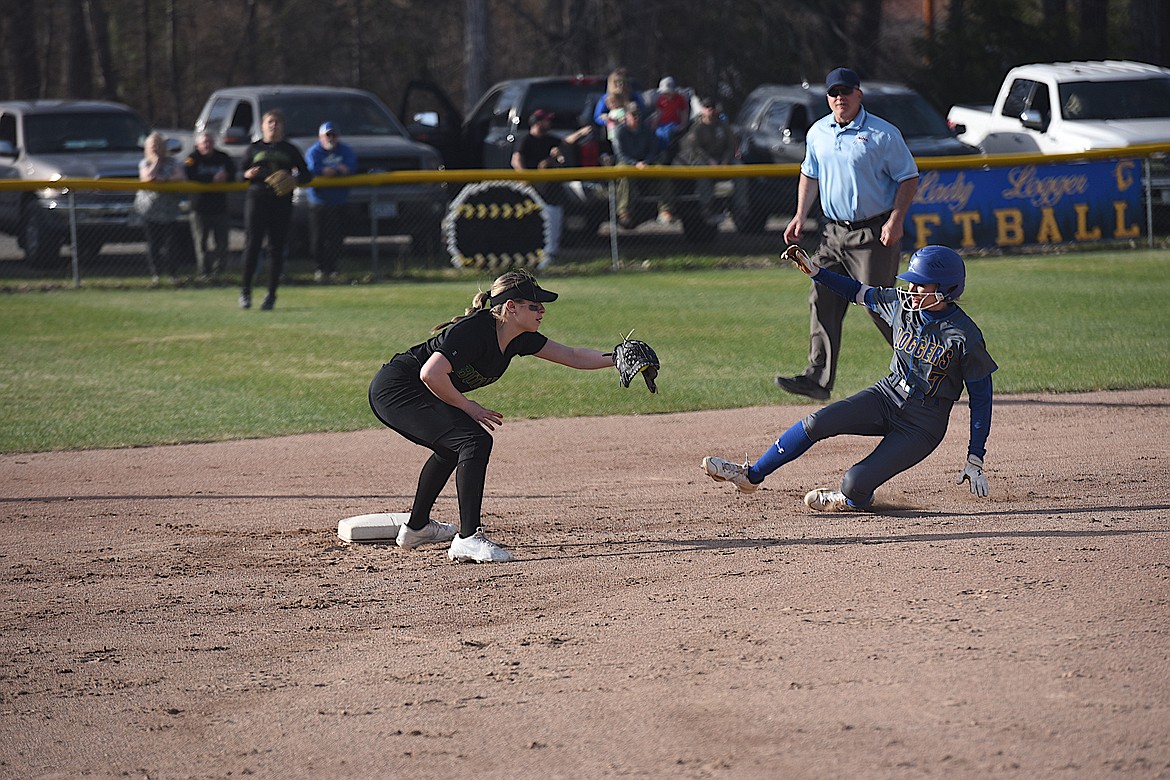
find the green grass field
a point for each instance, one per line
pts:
(112, 368)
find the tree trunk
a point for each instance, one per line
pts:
(867, 58)
(79, 80)
(475, 51)
(147, 61)
(246, 51)
(176, 87)
(1148, 30)
(20, 41)
(99, 33)
(356, 49)
(1094, 28)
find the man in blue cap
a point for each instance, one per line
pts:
(860, 168)
(326, 158)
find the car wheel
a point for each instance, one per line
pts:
(42, 248)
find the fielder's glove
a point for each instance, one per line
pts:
(633, 357)
(281, 182)
(973, 470)
(798, 257)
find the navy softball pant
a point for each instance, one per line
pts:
(909, 433)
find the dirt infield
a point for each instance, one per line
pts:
(189, 612)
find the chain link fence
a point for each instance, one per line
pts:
(88, 232)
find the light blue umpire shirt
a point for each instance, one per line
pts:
(858, 167)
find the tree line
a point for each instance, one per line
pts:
(163, 57)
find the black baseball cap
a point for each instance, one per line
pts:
(527, 290)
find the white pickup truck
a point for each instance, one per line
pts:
(1054, 108)
(1070, 107)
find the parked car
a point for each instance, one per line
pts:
(49, 140)
(1059, 107)
(378, 139)
(498, 124)
(774, 120)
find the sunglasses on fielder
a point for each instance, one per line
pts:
(838, 91)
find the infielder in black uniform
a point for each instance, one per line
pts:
(421, 394)
(266, 213)
(937, 350)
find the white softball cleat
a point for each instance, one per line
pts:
(477, 548)
(826, 500)
(722, 470)
(434, 531)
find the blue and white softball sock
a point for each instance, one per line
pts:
(793, 443)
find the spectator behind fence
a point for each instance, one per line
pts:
(327, 158)
(611, 106)
(159, 210)
(633, 144)
(541, 149)
(708, 141)
(672, 112)
(209, 212)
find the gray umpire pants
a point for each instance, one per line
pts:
(858, 253)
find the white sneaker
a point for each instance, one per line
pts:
(722, 470)
(826, 500)
(434, 531)
(477, 549)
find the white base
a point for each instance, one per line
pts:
(379, 527)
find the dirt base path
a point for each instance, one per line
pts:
(189, 612)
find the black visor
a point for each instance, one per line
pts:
(528, 290)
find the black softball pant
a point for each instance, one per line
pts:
(909, 434)
(265, 216)
(458, 443)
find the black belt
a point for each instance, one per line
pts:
(862, 224)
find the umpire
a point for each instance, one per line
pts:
(865, 176)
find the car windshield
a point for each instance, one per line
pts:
(353, 115)
(84, 132)
(1136, 99)
(910, 113)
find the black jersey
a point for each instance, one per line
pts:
(473, 350)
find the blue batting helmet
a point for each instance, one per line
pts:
(939, 265)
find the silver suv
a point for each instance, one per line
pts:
(51, 140)
(378, 139)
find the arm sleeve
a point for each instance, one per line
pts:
(979, 396)
(845, 286)
(598, 110)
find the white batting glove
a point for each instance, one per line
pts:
(973, 470)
